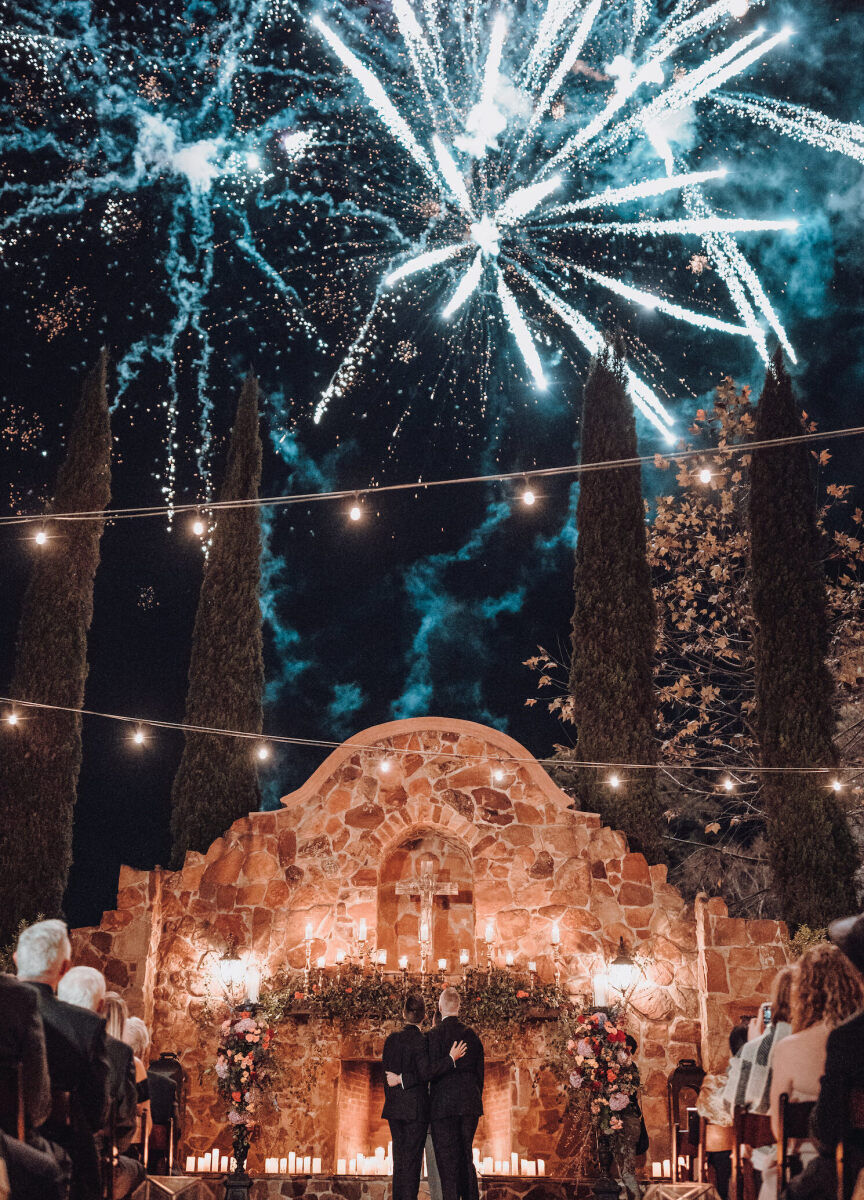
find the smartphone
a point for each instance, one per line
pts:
(766, 1014)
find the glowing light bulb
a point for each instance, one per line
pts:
(263, 751)
(704, 475)
(41, 538)
(728, 784)
(837, 785)
(355, 512)
(498, 775)
(12, 718)
(385, 767)
(198, 527)
(614, 781)
(528, 497)
(138, 737)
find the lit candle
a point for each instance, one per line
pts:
(532, 1167)
(523, 1166)
(487, 1165)
(308, 931)
(463, 958)
(555, 936)
(361, 930)
(340, 957)
(283, 1166)
(341, 1166)
(424, 931)
(307, 1164)
(292, 1162)
(352, 1166)
(382, 958)
(541, 1166)
(268, 1166)
(316, 1166)
(214, 1160)
(532, 967)
(403, 963)
(667, 1169)
(490, 932)
(656, 1170)
(224, 1163)
(321, 962)
(190, 1164)
(514, 1163)
(442, 964)
(201, 1162)
(206, 1161)
(475, 1154)
(508, 958)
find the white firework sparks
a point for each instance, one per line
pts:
(496, 160)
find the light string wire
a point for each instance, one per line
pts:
(210, 506)
(735, 770)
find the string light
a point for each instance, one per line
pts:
(355, 512)
(384, 766)
(198, 526)
(728, 784)
(117, 514)
(138, 736)
(41, 537)
(498, 775)
(705, 475)
(262, 752)
(614, 781)
(837, 785)
(528, 496)
(12, 718)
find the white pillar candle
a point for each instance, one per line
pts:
(307, 1164)
(224, 1163)
(292, 1162)
(463, 958)
(352, 1166)
(490, 932)
(523, 1166)
(207, 1161)
(361, 930)
(403, 963)
(308, 931)
(532, 967)
(532, 1167)
(190, 1163)
(382, 958)
(424, 931)
(667, 1168)
(487, 1165)
(514, 1163)
(541, 1167)
(340, 957)
(283, 1166)
(475, 1153)
(214, 1159)
(425, 1172)
(442, 964)
(341, 1166)
(555, 936)
(321, 962)
(200, 1166)
(316, 1166)
(508, 958)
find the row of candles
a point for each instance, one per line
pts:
(663, 1170)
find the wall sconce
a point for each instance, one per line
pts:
(623, 971)
(241, 981)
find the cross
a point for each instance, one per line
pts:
(427, 886)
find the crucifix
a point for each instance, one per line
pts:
(427, 886)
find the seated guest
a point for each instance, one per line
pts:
(736, 1076)
(844, 1071)
(33, 1172)
(757, 1093)
(135, 1035)
(826, 990)
(85, 986)
(712, 1107)
(164, 1110)
(77, 1058)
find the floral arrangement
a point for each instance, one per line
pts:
(243, 1070)
(603, 1076)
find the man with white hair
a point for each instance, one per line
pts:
(456, 1101)
(85, 987)
(77, 1058)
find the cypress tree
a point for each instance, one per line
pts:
(611, 686)
(216, 781)
(812, 853)
(42, 756)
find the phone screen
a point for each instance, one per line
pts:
(766, 1013)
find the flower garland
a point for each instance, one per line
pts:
(243, 1068)
(604, 1078)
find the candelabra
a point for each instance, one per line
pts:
(307, 966)
(532, 968)
(464, 956)
(490, 942)
(403, 967)
(555, 939)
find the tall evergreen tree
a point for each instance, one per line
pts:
(813, 856)
(216, 781)
(42, 756)
(611, 688)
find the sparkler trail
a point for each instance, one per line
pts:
(582, 100)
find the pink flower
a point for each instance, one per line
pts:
(584, 1048)
(623, 1057)
(618, 1100)
(616, 1123)
(575, 1079)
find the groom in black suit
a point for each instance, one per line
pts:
(456, 1100)
(406, 1100)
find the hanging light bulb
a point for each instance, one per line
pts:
(614, 781)
(41, 537)
(12, 718)
(728, 784)
(837, 785)
(138, 736)
(355, 512)
(528, 493)
(498, 775)
(705, 475)
(198, 526)
(262, 751)
(384, 766)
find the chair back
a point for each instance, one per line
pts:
(160, 1148)
(794, 1123)
(108, 1154)
(854, 1134)
(12, 1115)
(749, 1129)
(683, 1120)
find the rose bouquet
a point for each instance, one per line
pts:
(242, 1069)
(603, 1076)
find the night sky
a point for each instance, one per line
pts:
(264, 247)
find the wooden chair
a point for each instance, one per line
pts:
(108, 1155)
(161, 1148)
(794, 1124)
(687, 1077)
(854, 1136)
(12, 1113)
(749, 1129)
(713, 1139)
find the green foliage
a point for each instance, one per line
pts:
(811, 850)
(613, 626)
(42, 758)
(7, 962)
(805, 938)
(216, 782)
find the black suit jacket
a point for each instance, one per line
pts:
(844, 1070)
(124, 1097)
(405, 1054)
(77, 1055)
(22, 1040)
(163, 1099)
(457, 1092)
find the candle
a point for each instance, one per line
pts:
(214, 1160)
(224, 1163)
(424, 931)
(508, 958)
(532, 1167)
(307, 1164)
(656, 1170)
(523, 1166)
(442, 964)
(382, 958)
(340, 957)
(308, 931)
(321, 962)
(490, 932)
(283, 1166)
(541, 1167)
(475, 1154)
(403, 963)
(341, 1166)
(463, 958)
(268, 1166)
(190, 1163)
(207, 1161)
(316, 1166)
(292, 1162)
(514, 1163)
(200, 1162)
(361, 930)
(487, 1165)
(253, 983)
(352, 1166)
(667, 1168)
(532, 967)
(555, 936)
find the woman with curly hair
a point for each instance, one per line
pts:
(826, 990)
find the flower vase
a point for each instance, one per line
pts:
(605, 1186)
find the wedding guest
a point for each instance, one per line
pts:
(77, 1058)
(85, 986)
(712, 1106)
(757, 1092)
(136, 1035)
(825, 991)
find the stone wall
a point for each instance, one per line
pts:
(504, 835)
